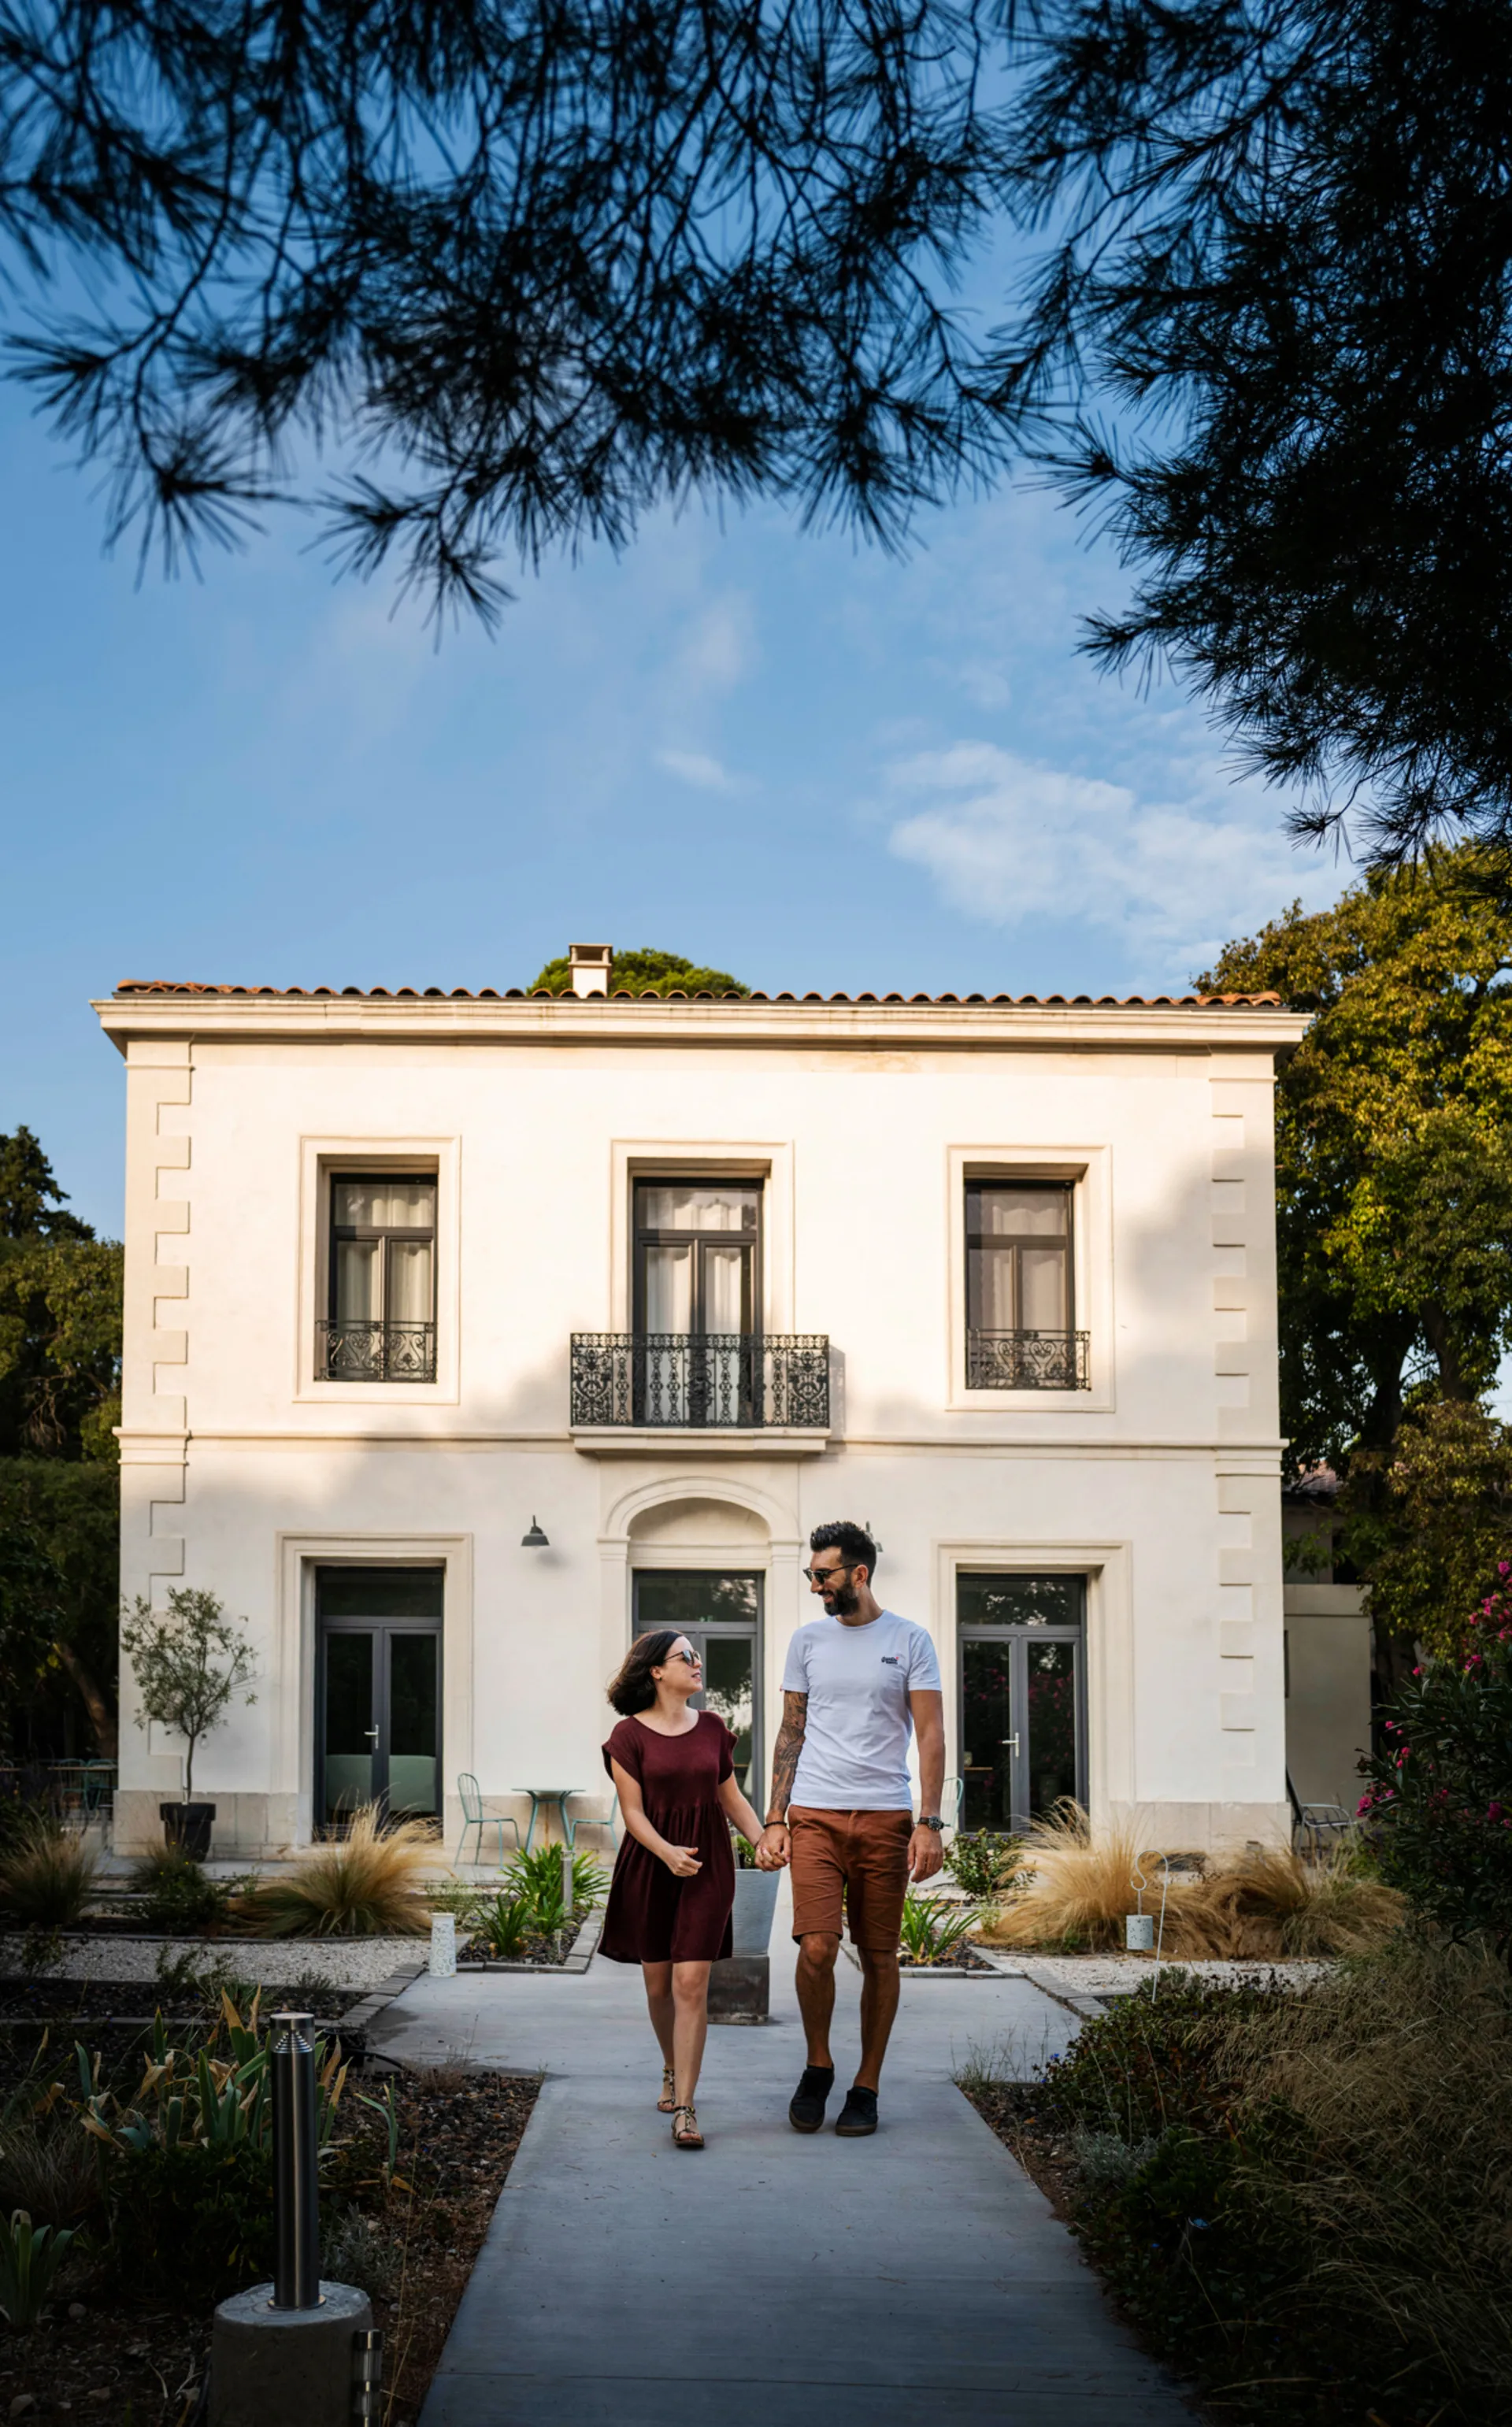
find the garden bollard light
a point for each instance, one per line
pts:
(443, 1964)
(296, 2158)
(366, 2375)
(566, 1881)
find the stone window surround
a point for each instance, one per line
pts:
(320, 1158)
(1090, 1170)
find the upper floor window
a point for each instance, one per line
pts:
(698, 1257)
(1020, 1304)
(381, 1325)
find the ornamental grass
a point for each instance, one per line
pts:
(47, 1876)
(1073, 1886)
(367, 1885)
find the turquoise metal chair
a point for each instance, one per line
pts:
(475, 1818)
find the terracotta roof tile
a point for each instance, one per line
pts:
(622, 994)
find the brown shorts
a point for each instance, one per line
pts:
(863, 1853)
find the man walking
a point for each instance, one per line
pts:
(858, 1682)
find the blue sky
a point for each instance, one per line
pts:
(786, 755)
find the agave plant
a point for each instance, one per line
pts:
(933, 1927)
(198, 2096)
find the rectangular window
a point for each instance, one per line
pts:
(721, 1616)
(697, 1301)
(1019, 1287)
(377, 1691)
(381, 1324)
(1022, 1698)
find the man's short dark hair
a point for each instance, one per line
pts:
(854, 1544)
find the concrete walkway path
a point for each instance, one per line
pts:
(914, 2278)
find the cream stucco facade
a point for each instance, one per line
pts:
(1155, 1481)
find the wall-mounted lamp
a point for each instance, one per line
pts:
(535, 1540)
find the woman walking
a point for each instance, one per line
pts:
(674, 1890)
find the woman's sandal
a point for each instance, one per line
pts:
(686, 2135)
(666, 2102)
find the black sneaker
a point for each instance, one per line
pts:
(806, 2112)
(858, 2116)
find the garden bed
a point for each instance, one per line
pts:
(357, 1964)
(410, 2232)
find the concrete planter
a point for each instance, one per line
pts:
(740, 1988)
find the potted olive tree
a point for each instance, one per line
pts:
(190, 1661)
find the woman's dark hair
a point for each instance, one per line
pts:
(632, 1687)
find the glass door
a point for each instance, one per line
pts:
(377, 1733)
(697, 1292)
(721, 1616)
(1022, 1700)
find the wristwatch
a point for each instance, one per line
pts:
(930, 1820)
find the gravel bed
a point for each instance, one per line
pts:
(341, 1964)
(1095, 1976)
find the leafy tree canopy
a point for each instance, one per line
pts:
(540, 267)
(647, 971)
(1393, 1145)
(1282, 244)
(30, 1197)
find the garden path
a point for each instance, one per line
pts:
(773, 2278)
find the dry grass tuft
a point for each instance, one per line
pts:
(1401, 2068)
(367, 1885)
(1074, 1889)
(46, 1878)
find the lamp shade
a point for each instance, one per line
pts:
(535, 1540)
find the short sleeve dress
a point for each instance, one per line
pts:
(652, 1917)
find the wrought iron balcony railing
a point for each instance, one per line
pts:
(378, 1352)
(687, 1379)
(1027, 1360)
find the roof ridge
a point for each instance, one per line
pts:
(132, 986)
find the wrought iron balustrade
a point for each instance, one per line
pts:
(700, 1379)
(1027, 1360)
(378, 1352)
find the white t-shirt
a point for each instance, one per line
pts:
(858, 1680)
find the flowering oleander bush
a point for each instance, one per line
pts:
(1439, 1801)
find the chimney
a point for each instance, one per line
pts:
(590, 965)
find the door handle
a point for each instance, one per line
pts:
(372, 1734)
(1012, 1742)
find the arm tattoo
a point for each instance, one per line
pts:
(789, 1746)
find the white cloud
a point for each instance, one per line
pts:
(1008, 841)
(697, 768)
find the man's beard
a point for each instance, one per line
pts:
(843, 1601)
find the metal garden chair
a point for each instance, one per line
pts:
(475, 1818)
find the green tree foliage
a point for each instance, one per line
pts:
(548, 265)
(647, 971)
(60, 1497)
(1440, 1798)
(1394, 1218)
(1281, 252)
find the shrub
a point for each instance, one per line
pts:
(189, 1662)
(356, 2251)
(981, 1863)
(176, 1891)
(47, 1877)
(367, 1885)
(537, 1877)
(1438, 1805)
(191, 2222)
(933, 1928)
(1307, 2197)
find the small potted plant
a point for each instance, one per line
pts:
(189, 1662)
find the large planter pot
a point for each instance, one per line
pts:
(187, 1825)
(755, 1901)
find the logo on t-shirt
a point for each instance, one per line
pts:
(891, 1660)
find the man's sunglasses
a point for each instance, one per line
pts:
(828, 1575)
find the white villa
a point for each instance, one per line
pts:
(466, 1335)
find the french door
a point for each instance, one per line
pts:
(697, 1300)
(721, 1616)
(378, 1694)
(1023, 1697)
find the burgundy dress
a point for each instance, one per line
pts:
(652, 1917)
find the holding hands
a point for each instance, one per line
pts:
(774, 1848)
